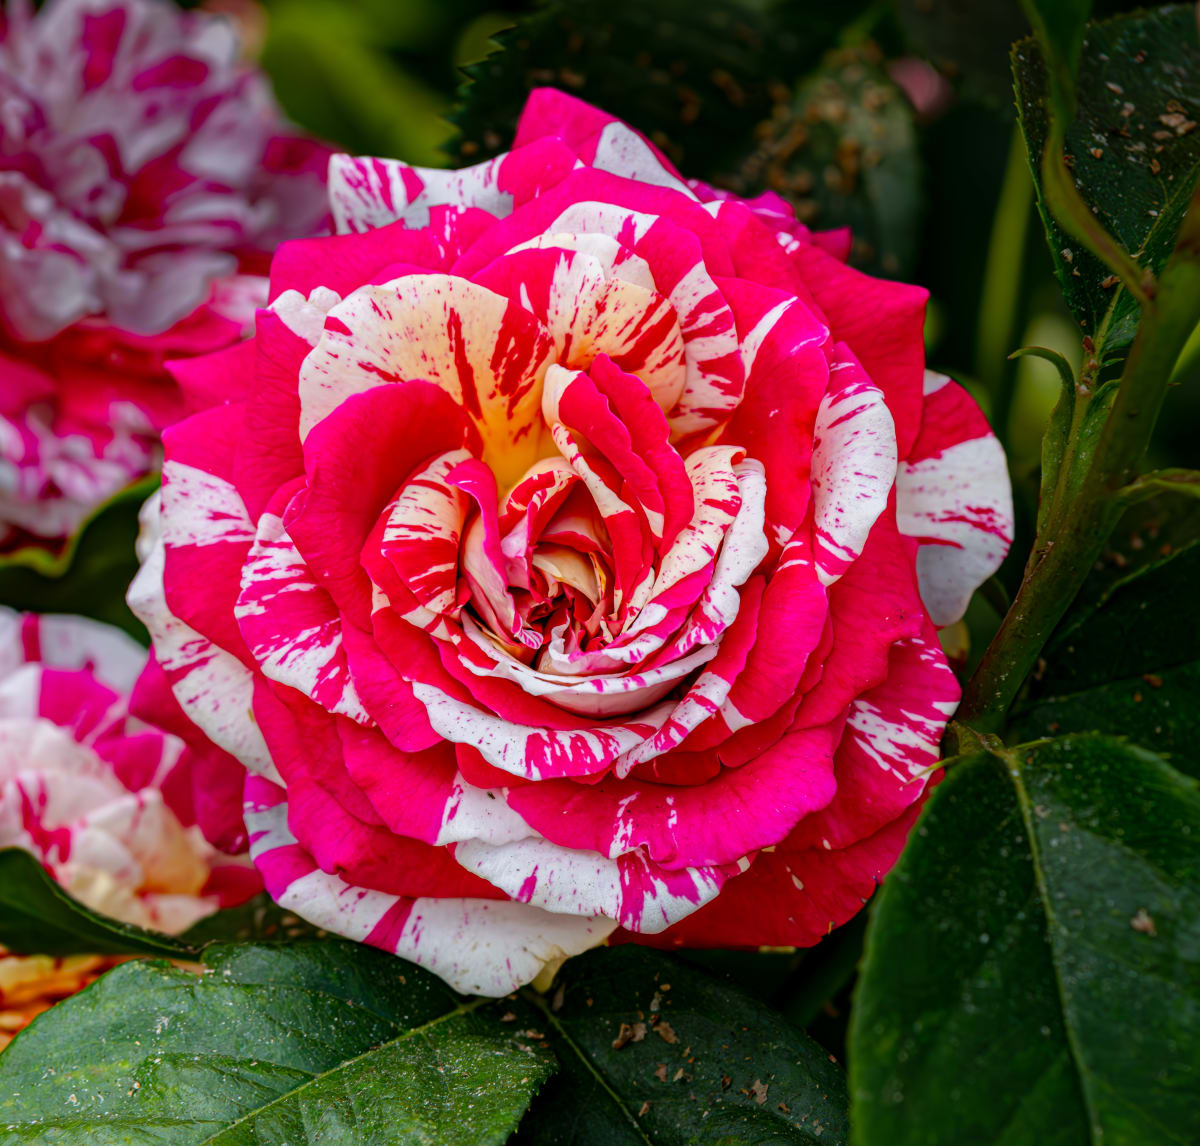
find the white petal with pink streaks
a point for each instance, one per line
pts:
(305, 317)
(69, 642)
(426, 519)
(483, 814)
(591, 313)
(439, 329)
(366, 193)
(718, 500)
(958, 504)
(309, 658)
(490, 947)
(853, 467)
(903, 741)
(212, 686)
(597, 695)
(574, 882)
(206, 509)
(533, 752)
(478, 946)
(624, 152)
(742, 550)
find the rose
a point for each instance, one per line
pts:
(553, 566)
(145, 175)
(101, 798)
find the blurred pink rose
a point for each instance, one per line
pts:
(145, 178)
(102, 799)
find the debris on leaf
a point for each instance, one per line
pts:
(629, 1033)
(1143, 922)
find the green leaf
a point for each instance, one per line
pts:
(1126, 658)
(695, 78)
(37, 917)
(1032, 971)
(1170, 480)
(1087, 433)
(1139, 613)
(654, 1051)
(91, 572)
(1058, 431)
(1059, 26)
(331, 1043)
(1154, 709)
(259, 919)
(1134, 149)
(845, 154)
(1057, 360)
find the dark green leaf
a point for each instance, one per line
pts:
(325, 1043)
(91, 573)
(1059, 26)
(759, 973)
(38, 917)
(695, 78)
(825, 970)
(1057, 433)
(1087, 437)
(653, 1051)
(845, 154)
(1186, 483)
(1032, 971)
(1139, 613)
(1126, 658)
(1155, 709)
(1134, 150)
(258, 919)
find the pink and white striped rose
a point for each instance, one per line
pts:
(567, 562)
(101, 798)
(145, 178)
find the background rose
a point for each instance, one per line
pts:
(611, 605)
(145, 176)
(32, 984)
(100, 797)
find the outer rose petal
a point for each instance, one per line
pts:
(602, 141)
(954, 496)
(478, 946)
(854, 466)
(795, 895)
(212, 686)
(883, 322)
(368, 193)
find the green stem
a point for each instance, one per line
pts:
(1001, 295)
(1076, 534)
